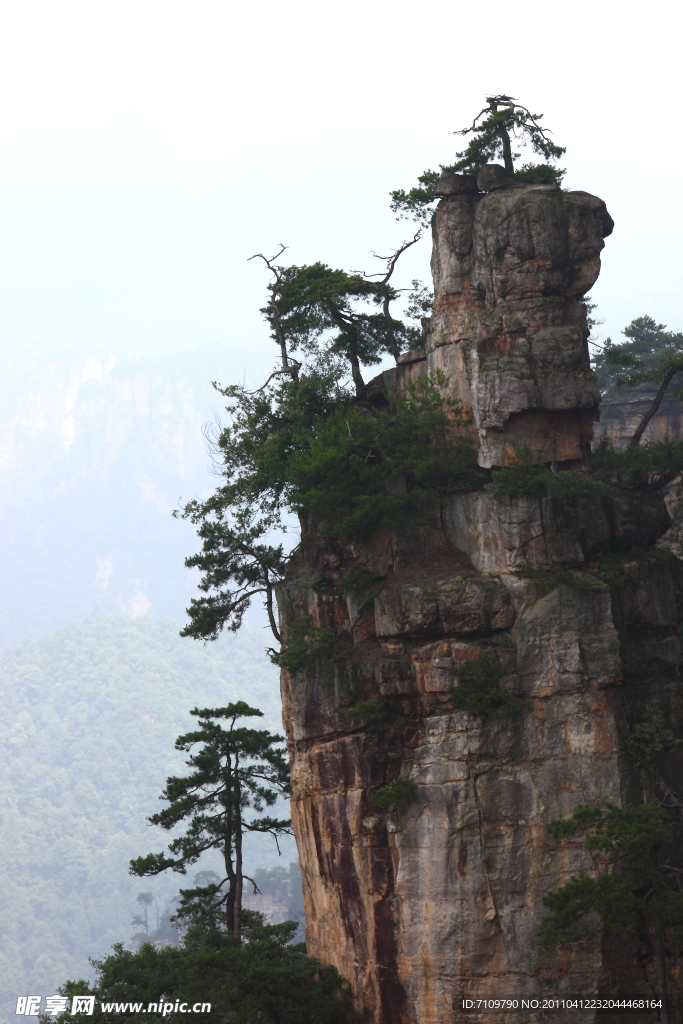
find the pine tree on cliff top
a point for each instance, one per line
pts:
(502, 122)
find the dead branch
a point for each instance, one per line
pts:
(273, 316)
(385, 291)
(292, 370)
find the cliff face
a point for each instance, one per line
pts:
(423, 905)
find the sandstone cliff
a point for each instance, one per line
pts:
(439, 900)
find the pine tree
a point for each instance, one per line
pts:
(502, 122)
(234, 770)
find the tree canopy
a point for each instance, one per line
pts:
(308, 446)
(648, 350)
(312, 441)
(263, 980)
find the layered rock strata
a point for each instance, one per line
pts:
(423, 905)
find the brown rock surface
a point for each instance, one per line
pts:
(423, 905)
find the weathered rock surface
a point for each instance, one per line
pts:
(424, 905)
(509, 329)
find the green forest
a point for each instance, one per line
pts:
(91, 714)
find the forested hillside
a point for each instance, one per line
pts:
(91, 712)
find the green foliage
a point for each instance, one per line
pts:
(420, 303)
(238, 560)
(648, 351)
(610, 896)
(417, 202)
(478, 690)
(307, 446)
(369, 712)
(649, 737)
(383, 466)
(234, 769)
(634, 886)
(262, 979)
(315, 300)
(539, 174)
(304, 642)
(648, 466)
(492, 132)
(361, 585)
(232, 551)
(526, 478)
(399, 793)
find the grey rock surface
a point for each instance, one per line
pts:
(509, 329)
(449, 183)
(493, 176)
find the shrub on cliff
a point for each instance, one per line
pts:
(479, 691)
(646, 467)
(307, 445)
(647, 344)
(398, 794)
(651, 355)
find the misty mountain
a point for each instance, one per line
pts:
(94, 456)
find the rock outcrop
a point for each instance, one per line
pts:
(423, 905)
(509, 328)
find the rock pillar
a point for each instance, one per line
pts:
(425, 905)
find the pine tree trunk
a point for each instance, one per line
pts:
(507, 152)
(239, 878)
(355, 369)
(232, 888)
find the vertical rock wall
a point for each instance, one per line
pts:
(424, 905)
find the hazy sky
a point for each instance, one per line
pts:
(148, 148)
